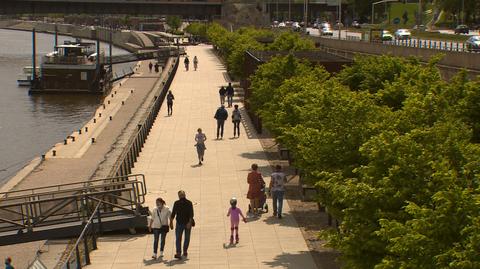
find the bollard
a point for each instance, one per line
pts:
(43, 157)
(86, 129)
(93, 140)
(54, 152)
(94, 120)
(79, 131)
(73, 138)
(131, 91)
(108, 101)
(112, 94)
(110, 117)
(103, 106)
(123, 102)
(65, 141)
(115, 92)
(99, 115)
(120, 84)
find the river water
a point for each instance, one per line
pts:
(30, 125)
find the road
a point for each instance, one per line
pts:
(413, 42)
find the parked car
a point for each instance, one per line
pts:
(282, 25)
(356, 24)
(326, 31)
(386, 36)
(462, 29)
(402, 34)
(296, 26)
(473, 43)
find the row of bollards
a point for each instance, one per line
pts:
(65, 141)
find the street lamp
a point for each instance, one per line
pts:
(339, 19)
(379, 2)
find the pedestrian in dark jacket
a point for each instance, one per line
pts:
(222, 93)
(221, 116)
(183, 211)
(170, 99)
(230, 94)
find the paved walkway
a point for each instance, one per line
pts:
(169, 163)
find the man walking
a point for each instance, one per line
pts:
(230, 94)
(150, 66)
(170, 99)
(222, 93)
(221, 116)
(277, 189)
(157, 67)
(183, 211)
(236, 119)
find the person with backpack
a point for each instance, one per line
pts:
(277, 190)
(222, 93)
(159, 225)
(221, 116)
(236, 119)
(170, 99)
(230, 94)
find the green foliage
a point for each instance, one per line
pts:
(174, 22)
(197, 29)
(233, 45)
(393, 150)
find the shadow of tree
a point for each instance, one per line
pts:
(303, 260)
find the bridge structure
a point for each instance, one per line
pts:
(199, 9)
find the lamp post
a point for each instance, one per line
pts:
(463, 11)
(339, 19)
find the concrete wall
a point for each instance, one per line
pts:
(454, 59)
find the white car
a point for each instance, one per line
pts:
(282, 24)
(326, 31)
(296, 26)
(402, 34)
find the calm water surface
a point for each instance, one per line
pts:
(30, 125)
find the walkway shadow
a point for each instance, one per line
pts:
(303, 260)
(154, 262)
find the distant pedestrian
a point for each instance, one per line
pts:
(186, 62)
(170, 99)
(158, 224)
(200, 138)
(222, 92)
(234, 213)
(183, 211)
(236, 119)
(277, 189)
(230, 94)
(8, 263)
(221, 116)
(157, 67)
(255, 184)
(195, 62)
(150, 66)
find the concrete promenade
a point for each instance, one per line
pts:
(78, 160)
(169, 162)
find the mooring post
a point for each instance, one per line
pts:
(34, 56)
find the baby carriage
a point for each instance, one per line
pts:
(263, 206)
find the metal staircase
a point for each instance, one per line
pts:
(60, 211)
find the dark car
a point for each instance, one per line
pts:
(462, 29)
(473, 43)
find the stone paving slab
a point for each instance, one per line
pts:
(169, 163)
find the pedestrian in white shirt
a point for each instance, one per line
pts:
(158, 224)
(277, 189)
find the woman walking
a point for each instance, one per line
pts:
(159, 218)
(255, 184)
(195, 62)
(200, 138)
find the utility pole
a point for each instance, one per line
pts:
(305, 13)
(289, 10)
(463, 11)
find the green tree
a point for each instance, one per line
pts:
(174, 22)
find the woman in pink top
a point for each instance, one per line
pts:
(234, 213)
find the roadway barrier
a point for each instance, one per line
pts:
(455, 59)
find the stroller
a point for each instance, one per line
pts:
(263, 206)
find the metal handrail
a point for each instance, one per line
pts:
(58, 186)
(66, 263)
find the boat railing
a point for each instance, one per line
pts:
(67, 60)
